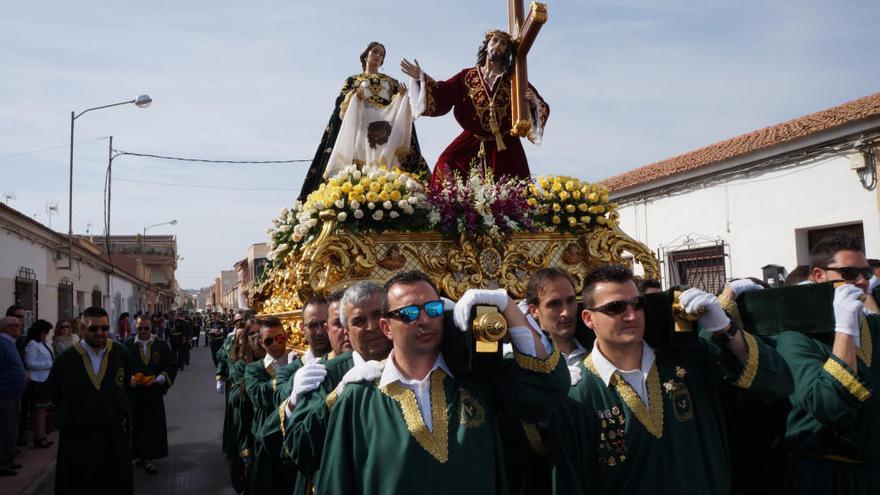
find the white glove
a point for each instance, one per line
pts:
(847, 309)
(221, 386)
(742, 286)
(160, 379)
(365, 372)
(523, 306)
(873, 282)
(448, 304)
(575, 374)
(306, 379)
(474, 297)
(714, 319)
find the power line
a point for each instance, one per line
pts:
(50, 148)
(204, 160)
(202, 186)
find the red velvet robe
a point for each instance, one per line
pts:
(470, 95)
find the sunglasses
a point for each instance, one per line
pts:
(144, 328)
(316, 324)
(851, 273)
(278, 339)
(617, 308)
(95, 328)
(409, 314)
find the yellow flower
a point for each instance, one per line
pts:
(585, 189)
(556, 207)
(388, 187)
(570, 208)
(394, 196)
(375, 187)
(601, 220)
(358, 188)
(556, 220)
(585, 220)
(593, 197)
(372, 196)
(333, 182)
(600, 209)
(569, 185)
(542, 181)
(572, 221)
(532, 202)
(365, 180)
(352, 196)
(582, 207)
(576, 195)
(383, 196)
(563, 195)
(605, 197)
(346, 188)
(556, 187)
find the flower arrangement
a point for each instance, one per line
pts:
(379, 199)
(477, 204)
(374, 198)
(567, 204)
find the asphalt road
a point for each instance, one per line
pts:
(195, 464)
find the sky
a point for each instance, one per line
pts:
(629, 82)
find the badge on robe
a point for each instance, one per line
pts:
(612, 437)
(471, 413)
(682, 404)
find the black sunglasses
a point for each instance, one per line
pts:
(278, 339)
(144, 328)
(617, 308)
(409, 314)
(316, 324)
(95, 328)
(850, 273)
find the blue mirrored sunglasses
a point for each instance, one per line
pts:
(409, 314)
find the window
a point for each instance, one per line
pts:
(27, 294)
(816, 235)
(65, 299)
(97, 299)
(703, 268)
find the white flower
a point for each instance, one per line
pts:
(358, 213)
(433, 217)
(283, 213)
(387, 205)
(339, 203)
(371, 205)
(377, 215)
(272, 244)
(355, 205)
(402, 204)
(283, 247)
(270, 255)
(411, 184)
(284, 228)
(297, 236)
(341, 216)
(297, 205)
(356, 175)
(312, 222)
(394, 214)
(319, 205)
(413, 199)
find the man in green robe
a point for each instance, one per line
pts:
(353, 322)
(409, 425)
(153, 371)
(221, 377)
(833, 429)
(642, 420)
(88, 383)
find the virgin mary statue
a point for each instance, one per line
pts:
(371, 124)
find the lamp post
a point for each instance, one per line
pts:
(142, 101)
(144, 238)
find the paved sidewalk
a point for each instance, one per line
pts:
(37, 463)
(195, 425)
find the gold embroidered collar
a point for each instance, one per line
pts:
(87, 361)
(144, 357)
(651, 419)
(436, 442)
(865, 350)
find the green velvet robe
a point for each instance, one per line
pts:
(605, 441)
(91, 411)
(222, 374)
(378, 443)
(149, 435)
(833, 429)
(241, 419)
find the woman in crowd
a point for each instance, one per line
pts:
(64, 336)
(38, 359)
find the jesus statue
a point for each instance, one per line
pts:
(481, 98)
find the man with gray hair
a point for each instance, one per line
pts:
(13, 379)
(314, 384)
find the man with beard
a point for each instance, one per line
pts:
(360, 309)
(481, 99)
(88, 383)
(437, 430)
(153, 372)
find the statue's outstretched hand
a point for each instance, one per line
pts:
(412, 70)
(402, 90)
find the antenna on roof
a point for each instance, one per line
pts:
(51, 209)
(8, 195)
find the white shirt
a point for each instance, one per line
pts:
(636, 378)
(38, 360)
(144, 344)
(421, 388)
(576, 354)
(95, 358)
(275, 363)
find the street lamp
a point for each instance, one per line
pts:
(172, 222)
(142, 101)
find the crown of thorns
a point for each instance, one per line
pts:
(500, 33)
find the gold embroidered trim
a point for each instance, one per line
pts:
(331, 399)
(281, 415)
(220, 378)
(534, 439)
(866, 342)
(537, 365)
(271, 370)
(732, 309)
(750, 370)
(96, 379)
(436, 442)
(651, 419)
(144, 358)
(849, 382)
(245, 453)
(273, 384)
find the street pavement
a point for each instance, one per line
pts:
(195, 464)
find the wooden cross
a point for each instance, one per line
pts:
(524, 32)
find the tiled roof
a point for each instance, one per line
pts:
(801, 127)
